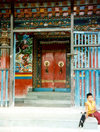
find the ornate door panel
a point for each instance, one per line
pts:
(54, 69)
(60, 69)
(47, 70)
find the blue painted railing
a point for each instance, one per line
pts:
(4, 87)
(87, 66)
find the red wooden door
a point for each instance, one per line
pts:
(54, 69)
(47, 70)
(60, 69)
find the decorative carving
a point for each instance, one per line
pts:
(4, 38)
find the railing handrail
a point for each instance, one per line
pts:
(4, 69)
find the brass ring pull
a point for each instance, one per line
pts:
(46, 64)
(60, 64)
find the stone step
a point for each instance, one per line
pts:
(45, 99)
(44, 117)
(42, 103)
(52, 123)
(48, 95)
(48, 103)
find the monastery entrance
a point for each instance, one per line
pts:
(51, 64)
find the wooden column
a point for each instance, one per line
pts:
(11, 100)
(34, 63)
(72, 50)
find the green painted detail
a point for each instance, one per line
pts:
(36, 64)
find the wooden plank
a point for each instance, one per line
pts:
(78, 51)
(97, 89)
(91, 51)
(86, 32)
(86, 83)
(75, 51)
(92, 83)
(84, 69)
(88, 51)
(99, 50)
(82, 89)
(96, 45)
(95, 52)
(2, 72)
(82, 51)
(77, 89)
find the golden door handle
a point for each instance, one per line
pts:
(46, 64)
(60, 64)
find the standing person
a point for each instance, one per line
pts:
(90, 108)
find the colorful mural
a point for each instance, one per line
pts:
(24, 53)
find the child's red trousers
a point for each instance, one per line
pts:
(97, 116)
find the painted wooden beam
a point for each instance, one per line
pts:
(4, 69)
(5, 47)
(41, 30)
(52, 42)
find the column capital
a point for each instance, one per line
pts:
(5, 40)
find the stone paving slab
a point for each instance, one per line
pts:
(45, 129)
(42, 119)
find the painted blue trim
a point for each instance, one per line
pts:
(78, 51)
(86, 84)
(23, 77)
(68, 90)
(82, 51)
(99, 50)
(85, 51)
(92, 83)
(2, 87)
(85, 32)
(43, 89)
(14, 59)
(91, 51)
(6, 98)
(51, 90)
(97, 89)
(77, 89)
(95, 52)
(88, 52)
(82, 90)
(75, 52)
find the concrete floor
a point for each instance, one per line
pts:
(42, 119)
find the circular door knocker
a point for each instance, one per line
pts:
(60, 64)
(46, 64)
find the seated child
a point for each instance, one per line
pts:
(90, 107)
